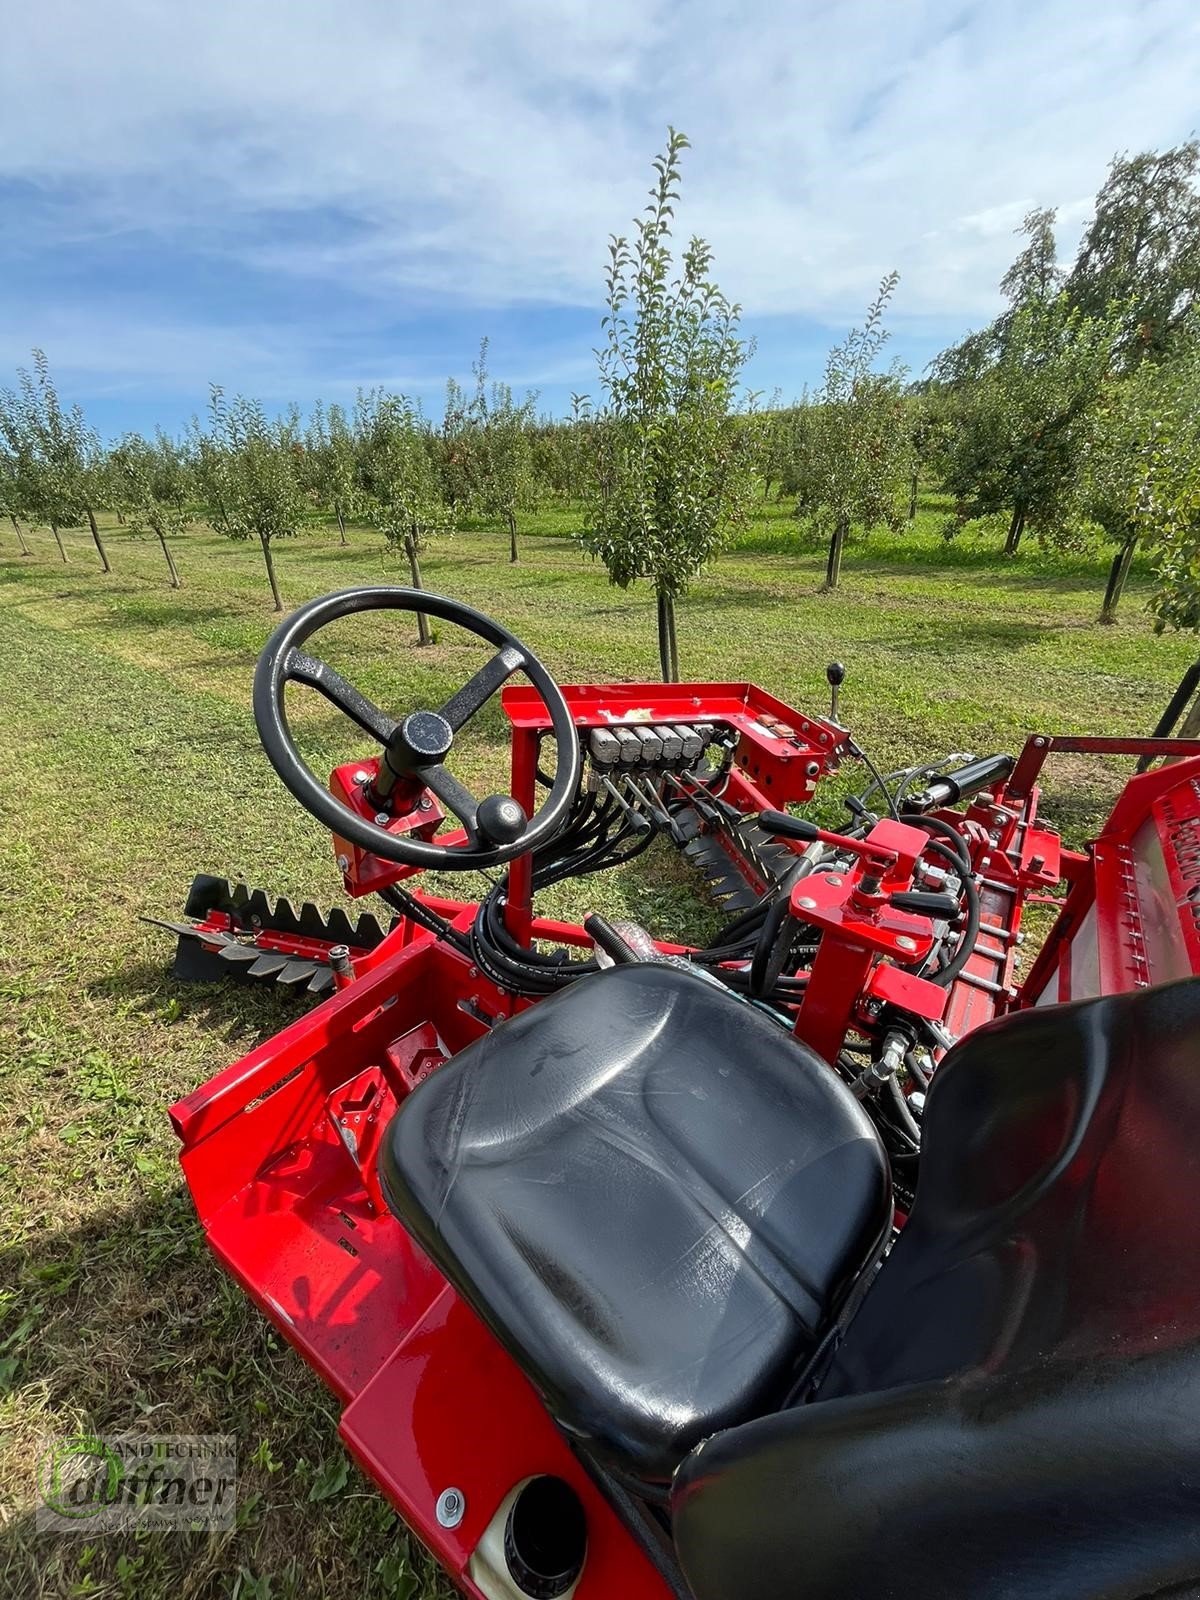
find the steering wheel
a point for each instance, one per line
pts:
(416, 746)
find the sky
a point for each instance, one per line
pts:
(296, 199)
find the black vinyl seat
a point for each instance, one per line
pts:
(1014, 1413)
(654, 1196)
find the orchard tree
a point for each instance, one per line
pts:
(62, 463)
(398, 488)
(1141, 251)
(1023, 425)
(331, 462)
(859, 449)
(502, 480)
(12, 480)
(455, 449)
(673, 470)
(929, 419)
(152, 485)
(252, 469)
(1167, 506)
(1034, 279)
(1118, 471)
(782, 436)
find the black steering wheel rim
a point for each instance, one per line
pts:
(280, 663)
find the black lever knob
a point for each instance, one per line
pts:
(784, 826)
(500, 819)
(835, 673)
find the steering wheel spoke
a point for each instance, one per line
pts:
(477, 691)
(453, 794)
(302, 668)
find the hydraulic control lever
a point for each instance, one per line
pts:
(785, 826)
(919, 901)
(835, 676)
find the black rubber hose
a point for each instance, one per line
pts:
(946, 831)
(775, 938)
(947, 974)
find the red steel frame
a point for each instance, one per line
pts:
(278, 1149)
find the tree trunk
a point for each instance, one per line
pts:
(166, 550)
(341, 523)
(1189, 728)
(414, 566)
(120, 519)
(1117, 574)
(668, 648)
(97, 541)
(833, 567)
(512, 536)
(25, 550)
(270, 561)
(1015, 529)
(912, 499)
(58, 541)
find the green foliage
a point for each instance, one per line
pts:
(1024, 424)
(331, 462)
(858, 452)
(1141, 252)
(500, 450)
(56, 469)
(1166, 506)
(784, 441)
(673, 467)
(253, 468)
(255, 465)
(396, 486)
(152, 485)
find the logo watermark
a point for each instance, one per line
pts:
(108, 1483)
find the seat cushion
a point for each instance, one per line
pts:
(652, 1194)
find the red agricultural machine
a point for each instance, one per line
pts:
(831, 1259)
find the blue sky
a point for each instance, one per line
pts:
(296, 199)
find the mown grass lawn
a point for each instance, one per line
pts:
(129, 760)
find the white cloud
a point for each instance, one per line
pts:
(484, 151)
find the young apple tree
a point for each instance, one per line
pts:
(331, 462)
(1023, 424)
(62, 463)
(502, 480)
(398, 488)
(13, 471)
(251, 469)
(673, 468)
(152, 486)
(859, 450)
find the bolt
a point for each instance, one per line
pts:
(382, 819)
(361, 777)
(809, 905)
(834, 878)
(424, 803)
(343, 863)
(903, 942)
(451, 1505)
(813, 769)
(1038, 743)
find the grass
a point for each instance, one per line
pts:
(129, 760)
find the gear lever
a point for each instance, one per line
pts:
(835, 673)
